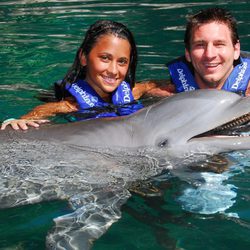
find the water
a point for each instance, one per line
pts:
(37, 45)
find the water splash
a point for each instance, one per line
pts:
(210, 197)
(214, 194)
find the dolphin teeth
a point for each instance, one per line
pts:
(237, 127)
(236, 122)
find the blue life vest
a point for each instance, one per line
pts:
(183, 78)
(87, 99)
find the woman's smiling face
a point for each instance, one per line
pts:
(107, 64)
(212, 54)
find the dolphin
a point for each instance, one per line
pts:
(93, 163)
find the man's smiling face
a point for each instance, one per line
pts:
(212, 54)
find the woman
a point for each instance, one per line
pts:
(102, 73)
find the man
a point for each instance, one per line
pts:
(212, 57)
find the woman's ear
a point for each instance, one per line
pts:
(82, 58)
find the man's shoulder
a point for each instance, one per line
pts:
(245, 54)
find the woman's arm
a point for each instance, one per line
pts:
(158, 88)
(39, 114)
(51, 109)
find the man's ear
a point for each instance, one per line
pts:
(237, 50)
(82, 58)
(187, 55)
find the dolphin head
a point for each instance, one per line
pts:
(181, 123)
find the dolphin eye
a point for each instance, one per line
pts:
(163, 143)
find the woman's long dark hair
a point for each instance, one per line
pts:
(96, 30)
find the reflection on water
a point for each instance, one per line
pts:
(38, 42)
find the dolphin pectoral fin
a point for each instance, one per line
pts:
(215, 163)
(145, 189)
(95, 212)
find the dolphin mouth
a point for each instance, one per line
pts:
(238, 127)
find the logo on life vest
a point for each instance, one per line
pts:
(240, 76)
(183, 80)
(126, 92)
(89, 100)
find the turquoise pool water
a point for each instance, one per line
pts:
(38, 42)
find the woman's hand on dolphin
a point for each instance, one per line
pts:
(22, 123)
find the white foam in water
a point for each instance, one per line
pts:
(210, 197)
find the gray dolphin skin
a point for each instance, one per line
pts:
(93, 163)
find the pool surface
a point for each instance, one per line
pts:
(38, 43)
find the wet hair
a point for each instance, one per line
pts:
(209, 15)
(95, 32)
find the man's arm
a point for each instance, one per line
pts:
(158, 88)
(248, 89)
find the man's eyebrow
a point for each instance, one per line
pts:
(198, 41)
(215, 41)
(220, 41)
